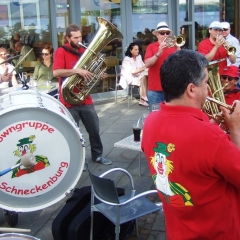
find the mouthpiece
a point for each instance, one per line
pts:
(79, 43)
(86, 47)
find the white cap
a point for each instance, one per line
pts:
(225, 25)
(216, 25)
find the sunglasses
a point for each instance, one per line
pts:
(225, 29)
(163, 33)
(229, 78)
(45, 54)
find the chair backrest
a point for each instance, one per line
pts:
(29, 63)
(111, 61)
(104, 188)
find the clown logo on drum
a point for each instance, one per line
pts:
(28, 163)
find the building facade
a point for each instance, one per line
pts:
(45, 21)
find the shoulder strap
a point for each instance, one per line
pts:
(70, 50)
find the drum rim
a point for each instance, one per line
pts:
(18, 234)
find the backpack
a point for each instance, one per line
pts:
(73, 221)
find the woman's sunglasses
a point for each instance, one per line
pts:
(45, 54)
(229, 78)
(163, 33)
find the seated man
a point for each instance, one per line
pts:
(23, 50)
(229, 79)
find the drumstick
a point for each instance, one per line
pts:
(9, 169)
(21, 60)
(28, 160)
(14, 230)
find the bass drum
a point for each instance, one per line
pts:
(15, 236)
(42, 151)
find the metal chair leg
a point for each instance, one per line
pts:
(136, 227)
(92, 213)
(128, 95)
(117, 227)
(139, 163)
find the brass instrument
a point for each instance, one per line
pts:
(216, 96)
(75, 88)
(172, 41)
(230, 49)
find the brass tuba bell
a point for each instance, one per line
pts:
(75, 88)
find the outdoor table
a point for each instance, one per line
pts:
(42, 88)
(128, 143)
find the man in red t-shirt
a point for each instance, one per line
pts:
(229, 79)
(213, 48)
(194, 164)
(154, 57)
(65, 59)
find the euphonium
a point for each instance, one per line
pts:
(216, 96)
(178, 41)
(75, 88)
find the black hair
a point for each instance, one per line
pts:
(179, 69)
(129, 48)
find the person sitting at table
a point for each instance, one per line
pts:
(229, 78)
(23, 50)
(133, 72)
(43, 69)
(6, 70)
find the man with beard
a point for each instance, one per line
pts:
(65, 59)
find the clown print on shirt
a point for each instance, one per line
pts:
(171, 192)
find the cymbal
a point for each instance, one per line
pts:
(11, 58)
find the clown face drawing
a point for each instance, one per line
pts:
(171, 192)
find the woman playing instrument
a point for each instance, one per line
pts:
(133, 72)
(43, 69)
(6, 70)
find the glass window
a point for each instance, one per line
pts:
(145, 17)
(62, 11)
(25, 20)
(113, 51)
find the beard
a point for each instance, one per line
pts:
(74, 45)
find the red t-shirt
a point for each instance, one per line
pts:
(206, 46)
(230, 97)
(154, 81)
(66, 60)
(196, 169)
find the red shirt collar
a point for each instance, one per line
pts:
(183, 110)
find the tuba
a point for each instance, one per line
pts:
(216, 96)
(75, 88)
(172, 41)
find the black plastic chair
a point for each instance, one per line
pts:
(118, 209)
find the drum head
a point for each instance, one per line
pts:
(51, 144)
(16, 236)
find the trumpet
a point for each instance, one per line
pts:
(172, 41)
(230, 49)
